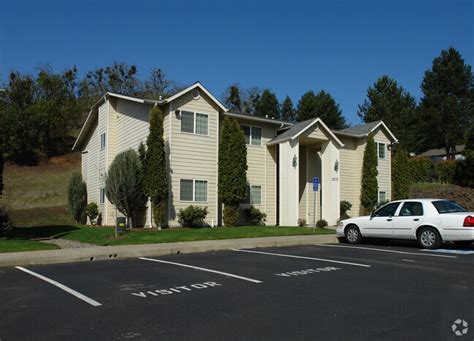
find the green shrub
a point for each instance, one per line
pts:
(301, 222)
(192, 216)
(255, 216)
(321, 223)
(400, 175)
(445, 171)
(344, 206)
(369, 184)
(5, 223)
(77, 196)
(231, 215)
(421, 169)
(92, 212)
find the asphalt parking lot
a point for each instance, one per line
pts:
(317, 292)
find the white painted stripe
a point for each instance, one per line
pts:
(61, 286)
(458, 252)
(383, 250)
(302, 257)
(408, 260)
(202, 269)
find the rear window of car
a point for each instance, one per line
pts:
(446, 206)
(411, 208)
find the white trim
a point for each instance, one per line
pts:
(170, 180)
(194, 190)
(265, 151)
(217, 171)
(381, 123)
(202, 88)
(250, 136)
(306, 185)
(384, 150)
(257, 119)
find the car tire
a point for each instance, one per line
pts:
(429, 238)
(352, 235)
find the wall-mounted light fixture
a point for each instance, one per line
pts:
(177, 114)
(336, 165)
(295, 161)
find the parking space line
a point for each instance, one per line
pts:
(383, 250)
(202, 269)
(61, 286)
(302, 257)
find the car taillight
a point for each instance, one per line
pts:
(469, 221)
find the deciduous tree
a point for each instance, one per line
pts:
(232, 99)
(77, 197)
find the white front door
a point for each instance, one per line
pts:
(380, 223)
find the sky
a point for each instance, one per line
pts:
(290, 47)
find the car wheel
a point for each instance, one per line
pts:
(353, 235)
(429, 238)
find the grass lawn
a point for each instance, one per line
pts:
(17, 245)
(105, 235)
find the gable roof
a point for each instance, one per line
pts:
(299, 128)
(258, 119)
(441, 151)
(93, 112)
(364, 130)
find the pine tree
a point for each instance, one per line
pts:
(232, 99)
(369, 185)
(447, 105)
(388, 101)
(321, 105)
(400, 175)
(288, 111)
(155, 167)
(232, 183)
(267, 105)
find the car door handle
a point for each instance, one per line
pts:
(416, 219)
(389, 219)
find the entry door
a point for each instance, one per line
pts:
(380, 224)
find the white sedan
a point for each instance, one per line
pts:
(430, 221)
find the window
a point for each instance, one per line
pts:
(387, 210)
(102, 141)
(193, 190)
(411, 209)
(102, 196)
(253, 135)
(194, 123)
(445, 206)
(254, 195)
(382, 196)
(381, 150)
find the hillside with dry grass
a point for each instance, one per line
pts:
(37, 195)
(462, 195)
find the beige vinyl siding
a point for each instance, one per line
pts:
(350, 170)
(84, 165)
(132, 124)
(261, 163)
(102, 117)
(92, 172)
(384, 177)
(193, 156)
(270, 185)
(316, 134)
(111, 148)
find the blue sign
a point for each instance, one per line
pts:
(315, 184)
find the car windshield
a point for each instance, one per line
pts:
(445, 206)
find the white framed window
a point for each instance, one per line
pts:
(253, 135)
(194, 123)
(102, 141)
(102, 196)
(193, 190)
(254, 195)
(381, 150)
(382, 196)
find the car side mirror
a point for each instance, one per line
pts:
(372, 214)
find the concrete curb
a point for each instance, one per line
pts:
(153, 250)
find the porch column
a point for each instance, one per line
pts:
(330, 188)
(289, 182)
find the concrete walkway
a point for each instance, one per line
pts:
(67, 244)
(88, 254)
